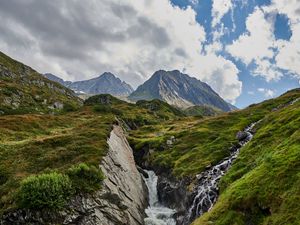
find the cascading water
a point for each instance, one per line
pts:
(207, 188)
(156, 213)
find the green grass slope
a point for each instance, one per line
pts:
(202, 110)
(23, 90)
(262, 187)
(200, 142)
(40, 152)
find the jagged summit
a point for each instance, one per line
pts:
(179, 89)
(106, 83)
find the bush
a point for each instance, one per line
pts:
(102, 108)
(68, 107)
(3, 175)
(107, 109)
(45, 191)
(85, 178)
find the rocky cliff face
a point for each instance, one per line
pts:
(121, 201)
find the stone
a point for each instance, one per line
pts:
(241, 135)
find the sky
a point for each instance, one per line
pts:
(246, 50)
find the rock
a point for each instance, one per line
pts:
(58, 105)
(241, 135)
(171, 140)
(174, 194)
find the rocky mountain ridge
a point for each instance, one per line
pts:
(106, 83)
(180, 90)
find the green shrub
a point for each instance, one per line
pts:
(45, 191)
(68, 107)
(107, 109)
(102, 108)
(85, 178)
(3, 175)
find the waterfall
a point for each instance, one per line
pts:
(206, 193)
(157, 214)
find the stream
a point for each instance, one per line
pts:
(207, 190)
(157, 214)
(205, 194)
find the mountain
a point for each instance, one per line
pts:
(107, 83)
(180, 90)
(22, 89)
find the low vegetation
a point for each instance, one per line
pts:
(262, 187)
(49, 191)
(39, 144)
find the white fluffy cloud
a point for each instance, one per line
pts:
(259, 46)
(219, 9)
(133, 39)
(268, 93)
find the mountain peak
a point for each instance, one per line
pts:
(106, 83)
(107, 75)
(179, 89)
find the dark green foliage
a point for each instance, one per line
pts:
(202, 111)
(49, 191)
(160, 107)
(4, 174)
(85, 178)
(102, 99)
(68, 107)
(107, 109)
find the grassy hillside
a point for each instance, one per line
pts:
(202, 110)
(23, 90)
(200, 142)
(263, 185)
(37, 144)
(53, 146)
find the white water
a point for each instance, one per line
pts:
(156, 213)
(207, 190)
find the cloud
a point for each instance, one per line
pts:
(132, 39)
(255, 44)
(268, 93)
(219, 9)
(288, 56)
(258, 46)
(194, 2)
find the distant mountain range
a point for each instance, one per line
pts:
(107, 83)
(180, 90)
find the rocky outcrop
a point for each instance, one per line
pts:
(121, 200)
(123, 197)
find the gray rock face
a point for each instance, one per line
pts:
(121, 201)
(107, 83)
(123, 197)
(180, 90)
